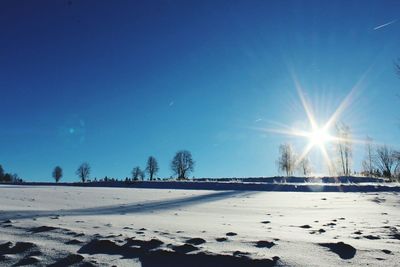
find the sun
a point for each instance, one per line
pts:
(319, 136)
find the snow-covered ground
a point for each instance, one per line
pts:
(86, 226)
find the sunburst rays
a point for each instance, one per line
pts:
(320, 135)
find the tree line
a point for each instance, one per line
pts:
(181, 165)
(6, 177)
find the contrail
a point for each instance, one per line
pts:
(386, 24)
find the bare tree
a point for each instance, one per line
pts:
(344, 148)
(15, 178)
(83, 171)
(367, 163)
(305, 166)
(287, 159)
(152, 167)
(182, 164)
(396, 155)
(137, 174)
(385, 160)
(57, 173)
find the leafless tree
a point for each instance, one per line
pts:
(137, 174)
(57, 173)
(367, 163)
(344, 148)
(152, 167)
(83, 171)
(287, 159)
(385, 160)
(396, 172)
(305, 166)
(182, 164)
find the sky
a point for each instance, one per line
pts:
(113, 82)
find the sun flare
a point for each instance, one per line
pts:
(319, 137)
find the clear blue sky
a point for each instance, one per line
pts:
(112, 82)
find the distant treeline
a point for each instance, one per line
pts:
(9, 177)
(380, 161)
(182, 165)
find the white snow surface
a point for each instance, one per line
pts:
(48, 217)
